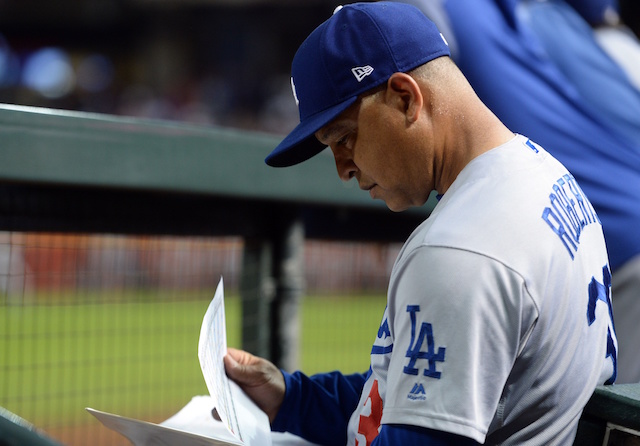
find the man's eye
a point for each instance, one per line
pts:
(343, 141)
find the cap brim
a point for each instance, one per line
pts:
(301, 144)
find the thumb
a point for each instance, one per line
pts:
(241, 366)
(231, 365)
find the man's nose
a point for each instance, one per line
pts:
(345, 166)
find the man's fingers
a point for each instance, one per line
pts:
(244, 368)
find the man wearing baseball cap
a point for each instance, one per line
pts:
(498, 325)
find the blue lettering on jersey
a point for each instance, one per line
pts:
(613, 354)
(381, 350)
(569, 212)
(599, 291)
(383, 333)
(602, 292)
(414, 352)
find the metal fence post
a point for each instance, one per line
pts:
(271, 286)
(290, 284)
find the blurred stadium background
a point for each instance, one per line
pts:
(111, 321)
(218, 62)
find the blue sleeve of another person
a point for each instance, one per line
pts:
(510, 69)
(570, 42)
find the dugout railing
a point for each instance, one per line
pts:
(76, 172)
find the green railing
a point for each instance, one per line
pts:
(153, 168)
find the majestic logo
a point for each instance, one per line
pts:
(362, 72)
(417, 393)
(295, 95)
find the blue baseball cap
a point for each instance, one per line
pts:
(358, 48)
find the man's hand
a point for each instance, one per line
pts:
(259, 378)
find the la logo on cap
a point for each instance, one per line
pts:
(362, 72)
(293, 89)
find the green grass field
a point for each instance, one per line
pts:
(140, 359)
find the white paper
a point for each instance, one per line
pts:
(197, 418)
(240, 414)
(212, 347)
(242, 422)
(189, 427)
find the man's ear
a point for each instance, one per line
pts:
(404, 92)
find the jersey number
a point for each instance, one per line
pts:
(602, 292)
(368, 425)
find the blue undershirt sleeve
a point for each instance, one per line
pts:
(317, 408)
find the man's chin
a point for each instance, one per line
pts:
(401, 206)
(395, 207)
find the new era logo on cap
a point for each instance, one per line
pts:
(362, 72)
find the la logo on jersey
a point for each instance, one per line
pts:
(422, 336)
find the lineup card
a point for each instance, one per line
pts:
(212, 348)
(227, 416)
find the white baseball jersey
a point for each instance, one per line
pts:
(498, 323)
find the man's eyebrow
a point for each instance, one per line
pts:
(330, 131)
